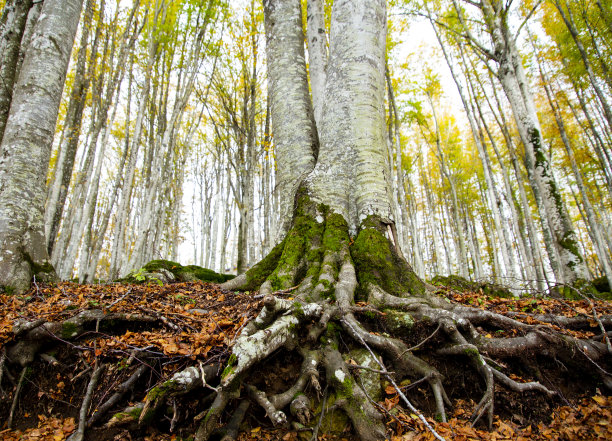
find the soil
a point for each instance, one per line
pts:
(197, 322)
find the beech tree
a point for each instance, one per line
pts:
(26, 145)
(340, 242)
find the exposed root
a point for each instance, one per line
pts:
(328, 299)
(80, 432)
(22, 376)
(277, 417)
(123, 388)
(233, 427)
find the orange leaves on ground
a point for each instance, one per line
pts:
(48, 429)
(591, 420)
(193, 318)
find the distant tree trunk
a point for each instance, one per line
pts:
(12, 26)
(568, 19)
(72, 127)
(26, 145)
(591, 217)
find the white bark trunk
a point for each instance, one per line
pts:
(317, 54)
(291, 109)
(26, 145)
(350, 175)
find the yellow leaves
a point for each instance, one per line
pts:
(602, 401)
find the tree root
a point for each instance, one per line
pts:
(312, 286)
(80, 432)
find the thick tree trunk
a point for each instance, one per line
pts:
(26, 145)
(292, 115)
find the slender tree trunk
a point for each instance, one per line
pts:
(568, 19)
(592, 221)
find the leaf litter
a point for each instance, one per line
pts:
(199, 321)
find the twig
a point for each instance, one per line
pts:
(38, 293)
(315, 431)
(16, 397)
(365, 368)
(423, 342)
(392, 381)
(2, 362)
(162, 318)
(129, 291)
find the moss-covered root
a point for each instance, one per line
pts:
(181, 383)
(377, 262)
(251, 348)
(366, 420)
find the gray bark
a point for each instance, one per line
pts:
(293, 123)
(72, 128)
(317, 54)
(352, 155)
(12, 26)
(26, 145)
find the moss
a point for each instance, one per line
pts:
(10, 290)
(39, 268)
(300, 247)
(601, 284)
(377, 262)
(69, 330)
(398, 322)
(135, 412)
(150, 272)
(161, 390)
(336, 232)
(333, 329)
(298, 310)
(470, 352)
(258, 273)
(461, 284)
(229, 369)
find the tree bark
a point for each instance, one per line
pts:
(26, 145)
(13, 24)
(292, 114)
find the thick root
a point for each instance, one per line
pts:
(326, 297)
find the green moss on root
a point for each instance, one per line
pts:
(377, 262)
(69, 330)
(260, 272)
(182, 273)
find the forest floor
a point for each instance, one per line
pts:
(170, 327)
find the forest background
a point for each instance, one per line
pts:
(163, 147)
